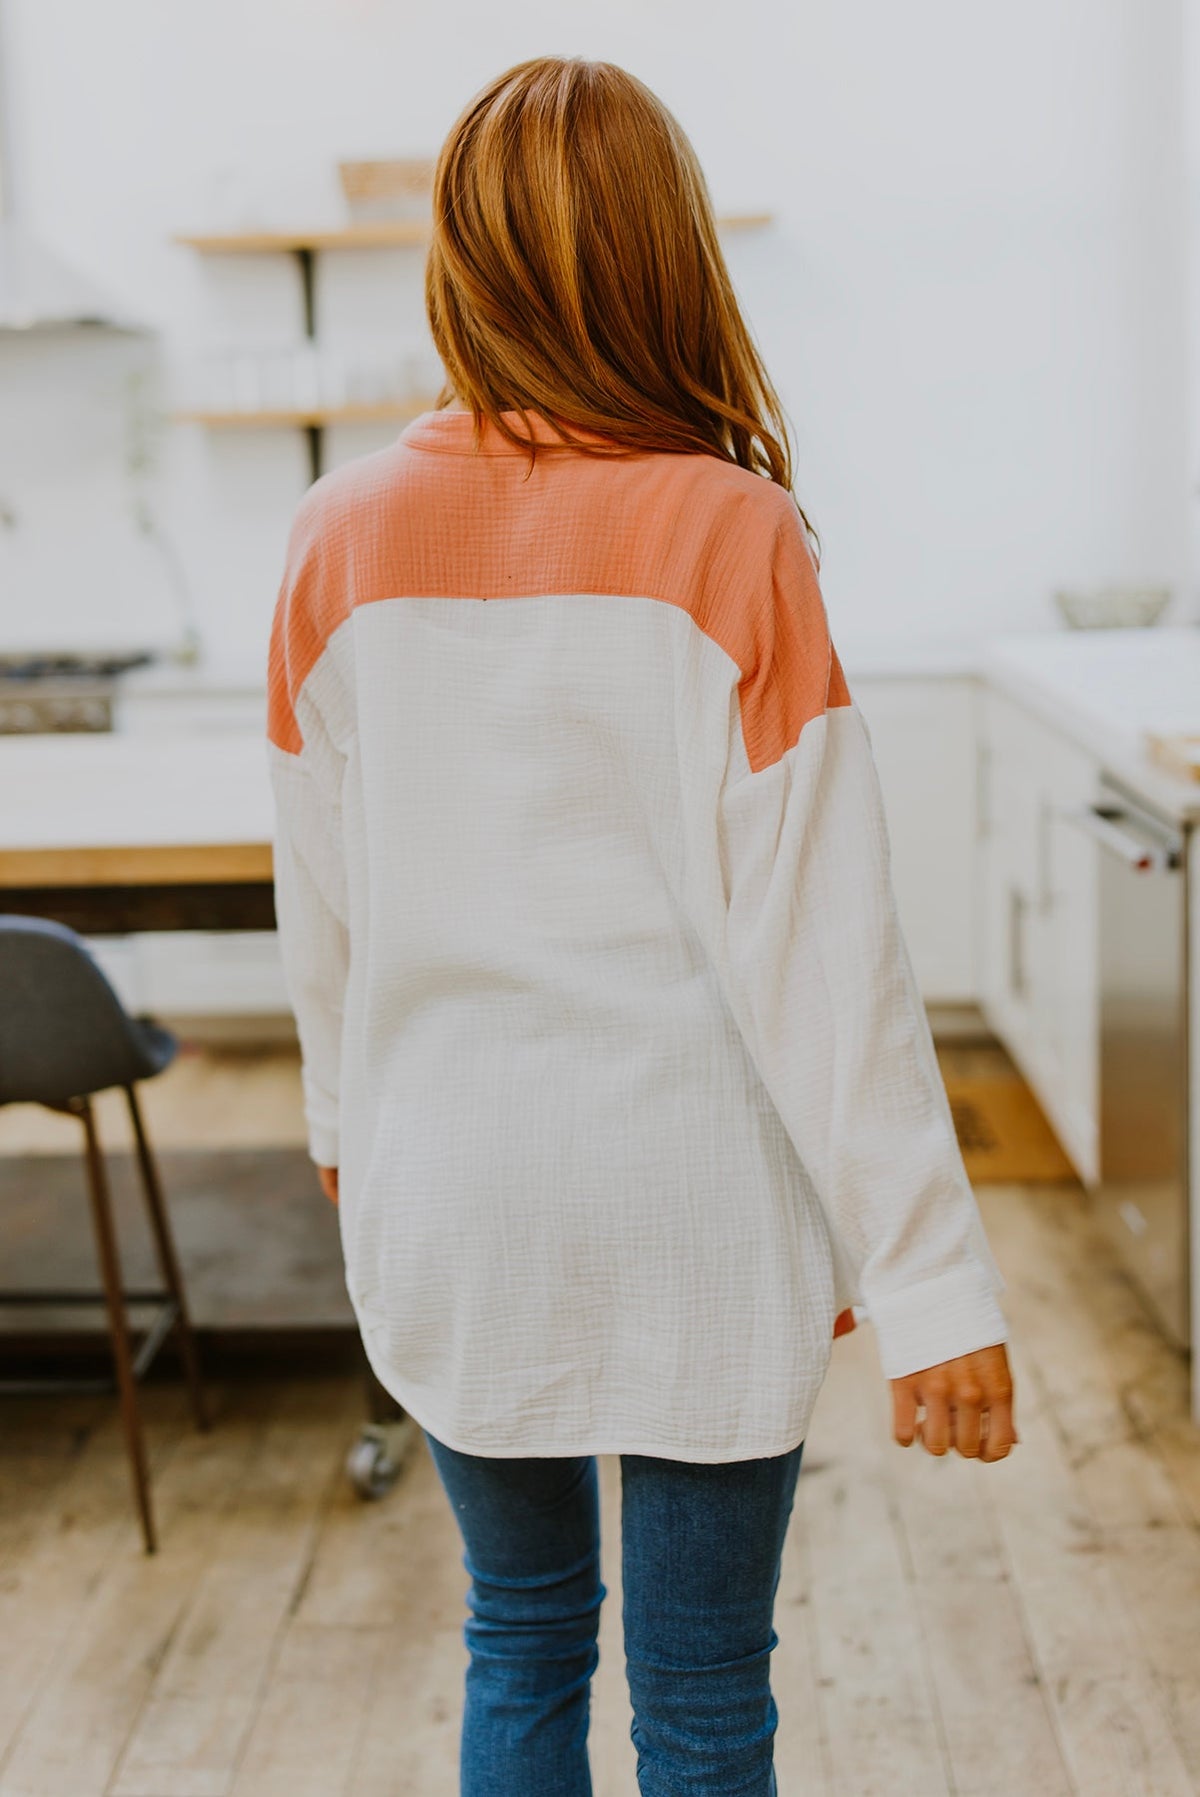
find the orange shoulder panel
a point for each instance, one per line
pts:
(424, 518)
(313, 599)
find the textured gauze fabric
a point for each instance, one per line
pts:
(586, 914)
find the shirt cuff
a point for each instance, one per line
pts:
(921, 1325)
(323, 1144)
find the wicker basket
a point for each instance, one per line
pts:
(395, 188)
(1179, 753)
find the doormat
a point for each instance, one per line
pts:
(1003, 1135)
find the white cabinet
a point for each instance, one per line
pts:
(191, 973)
(189, 709)
(1038, 970)
(923, 737)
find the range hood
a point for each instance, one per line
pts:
(38, 290)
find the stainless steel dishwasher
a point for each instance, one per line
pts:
(1142, 1198)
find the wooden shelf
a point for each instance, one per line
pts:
(381, 234)
(394, 233)
(314, 415)
(367, 235)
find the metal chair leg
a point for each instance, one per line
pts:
(110, 1272)
(168, 1261)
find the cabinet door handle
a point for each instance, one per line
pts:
(1018, 907)
(983, 790)
(1100, 823)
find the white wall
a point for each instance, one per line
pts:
(1191, 120)
(973, 300)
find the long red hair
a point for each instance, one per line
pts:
(575, 271)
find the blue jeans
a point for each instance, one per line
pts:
(700, 1558)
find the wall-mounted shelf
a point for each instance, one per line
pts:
(366, 235)
(314, 416)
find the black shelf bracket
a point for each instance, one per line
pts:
(304, 257)
(313, 432)
(316, 450)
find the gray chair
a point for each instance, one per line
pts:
(64, 1035)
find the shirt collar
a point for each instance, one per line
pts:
(453, 433)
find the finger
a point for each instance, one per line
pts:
(904, 1412)
(1001, 1434)
(934, 1429)
(966, 1424)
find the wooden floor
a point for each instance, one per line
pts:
(1029, 1629)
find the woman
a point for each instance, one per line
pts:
(611, 1047)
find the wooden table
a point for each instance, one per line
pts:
(112, 834)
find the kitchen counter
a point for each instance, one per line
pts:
(75, 806)
(1105, 688)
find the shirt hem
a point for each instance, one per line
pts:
(597, 1443)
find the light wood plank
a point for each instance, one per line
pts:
(1113, 1727)
(388, 1563)
(48, 1594)
(1120, 1388)
(382, 412)
(873, 1675)
(194, 863)
(1157, 1572)
(1064, 1296)
(40, 1446)
(73, 1732)
(203, 1701)
(1084, 1328)
(365, 234)
(411, 1738)
(313, 1713)
(996, 1719)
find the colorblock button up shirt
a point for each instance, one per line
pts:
(586, 916)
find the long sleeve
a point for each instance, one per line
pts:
(310, 911)
(819, 980)
(306, 770)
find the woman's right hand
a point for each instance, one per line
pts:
(967, 1403)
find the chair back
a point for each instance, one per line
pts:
(64, 1033)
